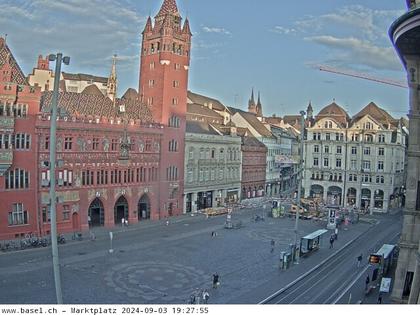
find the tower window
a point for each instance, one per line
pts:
(152, 65)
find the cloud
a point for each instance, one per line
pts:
(284, 30)
(90, 32)
(356, 36)
(216, 30)
(354, 51)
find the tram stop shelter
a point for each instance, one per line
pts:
(311, 242)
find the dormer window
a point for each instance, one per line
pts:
(368, 125)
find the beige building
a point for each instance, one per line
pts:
(356, 161)
(212, 167)
(405, 34)
(43, 77)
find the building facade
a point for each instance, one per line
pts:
(163, 86)
(212, 167)
(404, 35)
(116, 157)
(254, 155)
(355, 161)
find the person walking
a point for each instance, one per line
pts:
(332, 241)
(367, 283)
(273, 243)
(205, 296)
(359, 260)
(216, 282)
(336, 233)
(122, 222)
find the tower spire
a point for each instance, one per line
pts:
(112, 80)
(259, 105)
(148, 28)
(168, 7)
(251, 104)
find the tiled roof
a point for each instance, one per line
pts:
(131, 94)
(84, 77)
(168, 7)
(6, 56)
(252, 141)
(76, 104)
(334, 112)
(92, 90)
(202, 100)
(253, 121)
(376, 113)
(273, 120)
(202, 110)
(200, 127)
(291, 119)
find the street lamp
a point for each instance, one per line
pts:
(299, 202)
(53, 201)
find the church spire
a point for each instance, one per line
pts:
(251, 104)
(112, 81)
(259, 105)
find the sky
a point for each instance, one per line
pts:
(273, 46)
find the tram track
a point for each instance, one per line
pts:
(322, 284)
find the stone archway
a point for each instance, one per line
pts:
(96, 215)
(351, 196)
(317, 192)
(378, 198)
(334, 195)
(143, 208)
(120, 210)
(365, 198)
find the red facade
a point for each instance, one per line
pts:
(253, 168)
(98, 183)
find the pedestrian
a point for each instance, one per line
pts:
(359, 260)
(379, 299)
(205, 296)
(367, 282)
(167, 222)
(89, 221)
(216, 282)
(332, 241)
(122, 222)
(197, 296)
(336, 233)
(273, 243)
(126, 222)
(192, 299)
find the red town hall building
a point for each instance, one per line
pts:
(116, 158)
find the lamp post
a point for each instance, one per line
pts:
(299, 202)
(58, 58)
